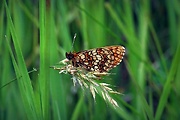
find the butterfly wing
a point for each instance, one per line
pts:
(99, 59)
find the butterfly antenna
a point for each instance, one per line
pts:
(73, 41)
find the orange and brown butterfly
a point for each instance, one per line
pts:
(98, 60)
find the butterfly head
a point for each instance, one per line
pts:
(69, 56)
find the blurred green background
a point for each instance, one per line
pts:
(36, 34)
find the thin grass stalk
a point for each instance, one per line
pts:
(5, 66)
(143, 37)
(78, 108)
(64, 32)
(146, 107)
(28, 13)
(159, 48)
(168, 86)
(84, 24)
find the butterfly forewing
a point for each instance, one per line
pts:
(99, 59)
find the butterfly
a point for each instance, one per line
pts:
(99, 60)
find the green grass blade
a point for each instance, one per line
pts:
(21, 70)
(146, 108)
(44, 77)
(168, 86)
